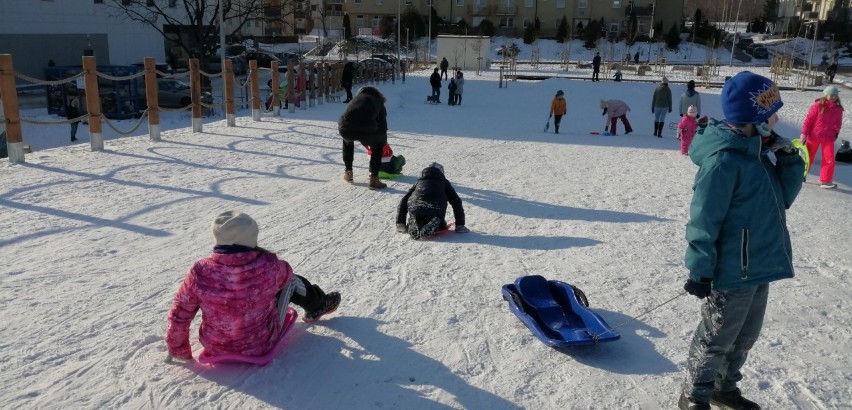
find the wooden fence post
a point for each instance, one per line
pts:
(303, 89)
(255, 90)
(230, 117)
(151, 87)
(195, 88)
(93, 103)
(273, 66)
(10, 112)
(291, 92)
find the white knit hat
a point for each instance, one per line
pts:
(235, 228)
(692, 111)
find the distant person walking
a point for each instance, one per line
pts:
(661, 104)
(346, 78)
(72, 112)
(558, 108)
(444, 66)
(435, 82)
(596, 67)
(820, 130)
(830, 71)
(690, 98)
(459, 87)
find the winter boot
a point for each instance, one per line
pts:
(375, 183)
(656, 128)
(347, 176)
(733, 400)
(684, 403)
(330, 302)
(557, 128)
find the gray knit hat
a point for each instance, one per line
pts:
(235, 228)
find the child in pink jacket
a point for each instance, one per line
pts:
(686, 129)
(239, 288)
(820, 130)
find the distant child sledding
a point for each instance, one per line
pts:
(425, 205)
(241, 290)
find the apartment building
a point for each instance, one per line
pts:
(511, 16)
(791, 12)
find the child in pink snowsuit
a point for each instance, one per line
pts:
(686, 129)
(240, 290)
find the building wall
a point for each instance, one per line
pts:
(35, 31)
(464, 52)
(510, 16)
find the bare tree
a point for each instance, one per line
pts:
(191, 25)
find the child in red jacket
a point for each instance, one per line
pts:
(240, 289)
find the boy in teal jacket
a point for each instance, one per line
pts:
(737, 236)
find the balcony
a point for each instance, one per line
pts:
(506, 10)
(479, 10)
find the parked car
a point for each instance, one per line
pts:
(294, 57)
(743, 43)
(760, 52)
(264, 59)
(174, 93)
(162, 67)
(377, 64)
(214, 65)
(387, 57)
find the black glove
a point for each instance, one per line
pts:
(780, 145)
(698, 289)
(401, 228)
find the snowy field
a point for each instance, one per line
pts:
(95, 244)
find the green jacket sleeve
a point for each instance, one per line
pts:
(713, 189)
(790, 169)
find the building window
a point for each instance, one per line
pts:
(460, 3)
(375, 21)
(359, 21)
(506, 22)
(560, 4)
(527, 22)
(407, 2)
(582, 4)
(613, 27)
(529, 4)
(616, 4)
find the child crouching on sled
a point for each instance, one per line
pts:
(240, 289)
(426, 204)
(391, 164)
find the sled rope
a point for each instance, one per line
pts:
(598, 336)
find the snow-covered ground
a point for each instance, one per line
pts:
(95, 244)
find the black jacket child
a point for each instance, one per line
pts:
(426, 204)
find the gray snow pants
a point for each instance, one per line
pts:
(730, 324)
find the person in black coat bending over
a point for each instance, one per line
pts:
(435, 82)
(426, 204)
(365, 121)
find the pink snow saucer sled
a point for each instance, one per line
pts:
(208, 359)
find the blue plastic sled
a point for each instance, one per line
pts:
(556, 312)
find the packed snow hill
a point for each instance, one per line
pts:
(97, 245)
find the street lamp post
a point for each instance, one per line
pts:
(736, 24)
(429, 50)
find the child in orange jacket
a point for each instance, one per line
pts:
(558, 108)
